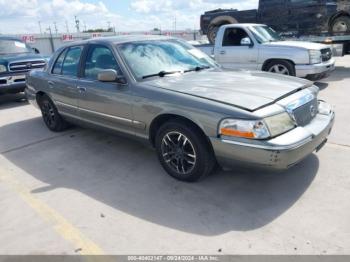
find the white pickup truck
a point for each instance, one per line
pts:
(258, 47)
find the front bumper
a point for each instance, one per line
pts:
(316, 71)
(12, 83)
(278, 153)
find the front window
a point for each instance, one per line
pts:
(148, 58)
(14, 47)
(265, 34)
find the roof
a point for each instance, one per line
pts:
(3, 37)
(243, 25)
(123, 39)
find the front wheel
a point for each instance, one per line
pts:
(281, 67)
(341, 25)
(51, 117)
(184, 152)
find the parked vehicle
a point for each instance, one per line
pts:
(192, 111)
(16, 59)
(258, 47)
(323, 18)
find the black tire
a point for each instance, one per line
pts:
(212, 31)
(51, 117)
(192, 165)
(281, 65)
(340, 25)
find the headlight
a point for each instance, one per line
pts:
(257, 129)
(279, 124)
(3, 68)
(244, 128)
(315, 56)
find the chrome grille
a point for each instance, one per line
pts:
(26, 65)
(305, 113)
(326, 54)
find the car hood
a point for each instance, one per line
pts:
(298, 44)
(243, 89)
(10, 58)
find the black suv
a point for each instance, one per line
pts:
(298, 16)
(16, 59)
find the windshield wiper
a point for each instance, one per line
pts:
(197, 68)
(162, 74)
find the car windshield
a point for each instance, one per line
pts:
(154, 58)
(13, 47)
(264, 34)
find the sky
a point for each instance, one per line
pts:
(23, 16)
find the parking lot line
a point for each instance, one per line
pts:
(83, 245)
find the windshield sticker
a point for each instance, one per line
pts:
(19, 44)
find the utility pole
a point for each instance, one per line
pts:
(84, 26)
(41, 31)
(109, 25)
(67, 28)
(56, 30)
(51, 40)
(77, 24)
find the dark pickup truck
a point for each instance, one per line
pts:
(16, 59)
(296, 16)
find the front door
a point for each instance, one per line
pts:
(233, 53)
(63, 81)
(274, 13)
(307, 16)
(104, 103)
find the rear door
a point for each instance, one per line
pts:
(104, 103)
(232, 54)
(63, 80)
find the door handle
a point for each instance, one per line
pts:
(51, 84)
(222, 52)
(81, 89)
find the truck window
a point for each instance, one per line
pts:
(233, 36)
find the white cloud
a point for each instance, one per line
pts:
(22, 16)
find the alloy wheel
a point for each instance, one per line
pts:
(178, 153)
(48, 113)
(279, 69)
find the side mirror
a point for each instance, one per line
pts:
(110, 75)
(36, 50)
(246, 42)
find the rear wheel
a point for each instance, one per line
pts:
(51, 117)
(184, 152)
(341, 25)
(212, 32)
(281, 67)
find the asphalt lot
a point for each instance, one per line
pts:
(88, 192)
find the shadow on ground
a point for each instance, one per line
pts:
(126, 175)
(12, 100)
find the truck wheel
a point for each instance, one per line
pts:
(341, 25)
(281, 67)
(212, 31)
(184, 152)
(51, 117)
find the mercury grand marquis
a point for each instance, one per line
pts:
(193, 112)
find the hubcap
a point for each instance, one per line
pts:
(340, 26)
(178, 153)
(279, 69)
(48, 114)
